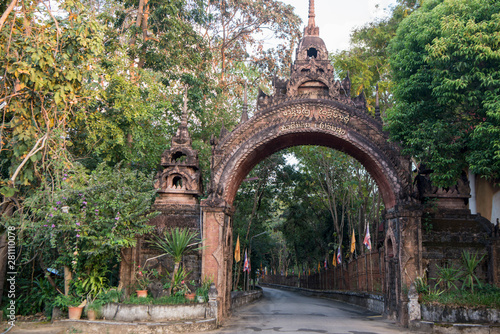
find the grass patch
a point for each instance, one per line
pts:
(149, 300)
(484, 296)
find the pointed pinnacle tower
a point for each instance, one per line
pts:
(184, 109)
(311, 29)
(180, 182)
(244, 113)
(182, 136)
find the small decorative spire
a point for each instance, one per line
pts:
(311, 14)
(311, 29)
(182, 135)
(184, 109)
(377, 105)
(244, 113)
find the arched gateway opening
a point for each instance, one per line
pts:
(312, 108)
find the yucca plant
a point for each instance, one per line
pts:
(175, 243)
(421, 285)
(447, 277)
(471, 262)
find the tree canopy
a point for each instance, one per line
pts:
(446, 82)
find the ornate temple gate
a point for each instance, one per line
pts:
(312, 108)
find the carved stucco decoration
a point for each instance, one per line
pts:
(317, 121)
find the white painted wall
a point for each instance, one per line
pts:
(472, 199)
(495, 208)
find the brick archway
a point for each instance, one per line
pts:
(310, 108)
(307, 121)
(322, 122)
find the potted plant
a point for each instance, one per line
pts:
(93, 310)
(72, 304)
(142, 280)
(202, 291)
(94, 305)
(184, 289)
(200, 295)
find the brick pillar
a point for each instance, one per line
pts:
(404, 224)
(217, 250)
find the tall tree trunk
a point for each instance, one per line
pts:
(4, 17)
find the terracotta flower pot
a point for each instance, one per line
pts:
(142, 293)
(91, 314)
(189, 296)
(75, 312)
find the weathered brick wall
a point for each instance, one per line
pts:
(183, 216)
(444, 239)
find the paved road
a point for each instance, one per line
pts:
(290, 312)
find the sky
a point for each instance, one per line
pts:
(337, 18)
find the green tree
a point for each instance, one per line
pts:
(445, 69)
(367, 59)
(45, 75)
(81, 220)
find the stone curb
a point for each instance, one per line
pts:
(451, 328)
(119, 327)
(241, 298)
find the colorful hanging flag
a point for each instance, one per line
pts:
(334, 259)
(353, 243)
(319, 267)
(246, 265)
(237, 251)
(367, 241)
(326, 264)
(339, 256)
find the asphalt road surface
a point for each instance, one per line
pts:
(289, 312)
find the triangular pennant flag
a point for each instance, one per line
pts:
(367, 241)
(237, 251)
(339, 256)
(353, 243)
(246, 265)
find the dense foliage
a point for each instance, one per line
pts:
(82, 220)
(90, 84)
(322, 197)
(445, 63)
